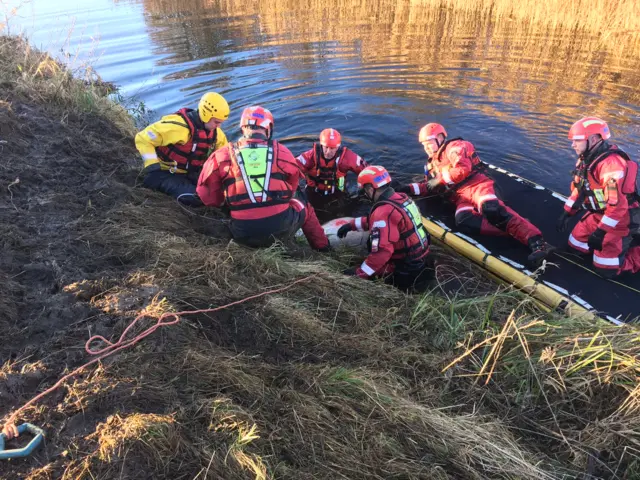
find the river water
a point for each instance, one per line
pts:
(376, 70)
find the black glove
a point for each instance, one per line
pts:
(408, 189)
(433, 184)
(596, 238)
(344, 229)
(350, 271)
(563, 222)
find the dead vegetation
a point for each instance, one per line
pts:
(333, 378)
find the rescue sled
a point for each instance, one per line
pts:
(568, 283)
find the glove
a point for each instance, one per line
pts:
(433, 184)
(408, 189)
(344, 229)
(563, 222)
(351, 271)
(596, 238)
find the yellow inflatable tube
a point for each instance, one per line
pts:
(546, 295)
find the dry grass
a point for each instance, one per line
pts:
(334, 378)
(35, 75)
(608, 19)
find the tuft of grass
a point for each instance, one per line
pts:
(36, 75)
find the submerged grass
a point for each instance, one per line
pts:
(334, 378)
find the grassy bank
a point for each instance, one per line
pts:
(333, 378)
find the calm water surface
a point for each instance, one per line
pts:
(374, 69)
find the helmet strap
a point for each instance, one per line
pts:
(592, 147)
(256, 133)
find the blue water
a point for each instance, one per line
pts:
(376, 70)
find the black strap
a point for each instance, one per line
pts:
(176, 123)
(413, 248)
(249, 206)
(232, 180)
(325, 172)
(613, 150)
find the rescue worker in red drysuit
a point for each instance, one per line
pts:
(454, 168)
(326, 166)
(399, 242)
(258, 179)
(605, 184)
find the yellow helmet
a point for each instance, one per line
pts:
(213, 105)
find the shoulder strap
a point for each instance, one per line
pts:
(607, 153)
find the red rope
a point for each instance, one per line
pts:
(123, 343)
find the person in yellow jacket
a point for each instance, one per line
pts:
(175, 148)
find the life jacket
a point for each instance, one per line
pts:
(189, 157)
(327, 177)
(254, 180)
(596, 195)
(477, 164)
(415, 237)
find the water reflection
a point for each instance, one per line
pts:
(380, 68)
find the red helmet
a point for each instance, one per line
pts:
(376, 176)
(430, 131)
(587, 126)
(330, 138)
(258, 116)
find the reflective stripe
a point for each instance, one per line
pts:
(618, 174)
(267, 178)
(151, 135)
(484, 198)
(367, 269)
(446, 177)
(609, 222)
(569, 203)
(416, 188)
(591, 122)
(379, 224)
(578, 137)
(149, 156)
(301, 159)
(358, 223)
(247, 183)
(578, 244)
(607, 262)
(463, 209)
(359, 161)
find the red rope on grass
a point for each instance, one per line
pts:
(123, 343)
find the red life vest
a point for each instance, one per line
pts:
(189, 157)
(414, 238)
(255, 180)
(597, 195)
(477, 164)
(327, 177)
